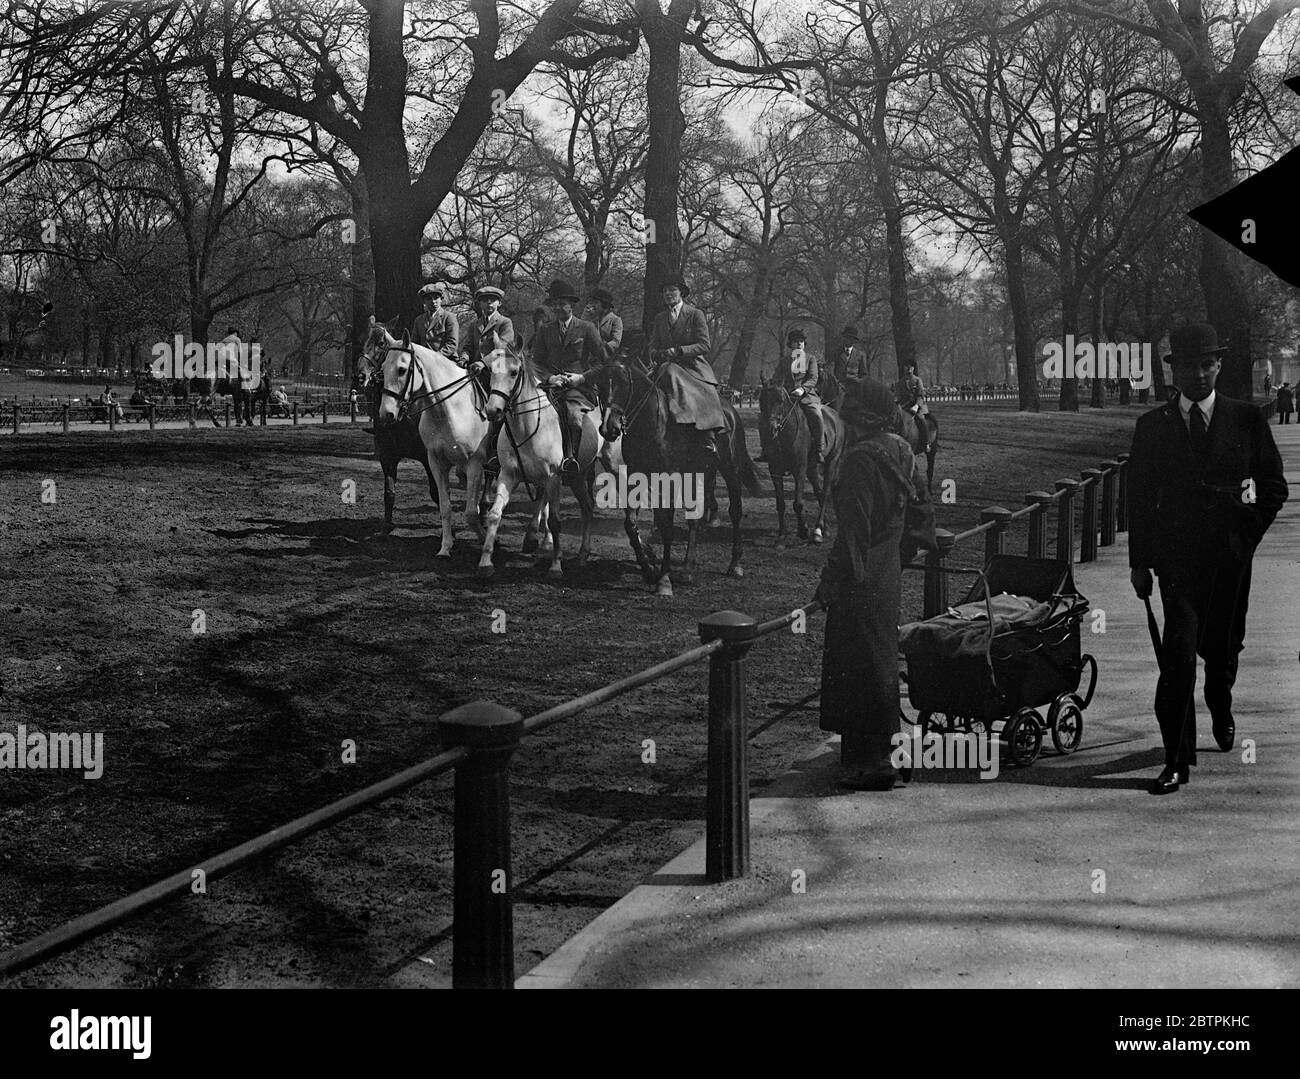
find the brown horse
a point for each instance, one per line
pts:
(785, 436)
(636, 411)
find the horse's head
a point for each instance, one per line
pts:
(507, 371)
(401, 377)
(378, 339)
(613, 385)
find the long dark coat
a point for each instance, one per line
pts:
(879, 475)
(689, 381)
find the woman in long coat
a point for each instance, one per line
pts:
(883, 514)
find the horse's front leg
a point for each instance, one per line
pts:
(505, 484)
(819, 493)
(587, 506)
(634, 538)
(474, 480)
(735, 510)
(799, 475)
(778, 486)
(553, 484)
(440, 475)
(388, 464)
(664, 519)
(535, 523)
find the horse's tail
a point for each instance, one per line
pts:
(740, 454)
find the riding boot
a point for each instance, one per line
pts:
(814, 419)
(571, 438)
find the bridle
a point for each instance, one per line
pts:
(406, 398)
(789, 412)
(627, 415)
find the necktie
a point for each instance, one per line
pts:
(1198, 431)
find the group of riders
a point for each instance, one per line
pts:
(566, 348)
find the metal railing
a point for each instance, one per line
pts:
(1100, 494)
(481, 737)
(151, 414)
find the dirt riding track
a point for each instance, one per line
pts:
(319, 629)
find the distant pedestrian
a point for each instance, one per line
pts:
(1285, 403)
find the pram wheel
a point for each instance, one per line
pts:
(1024, 737)
(939, 722)
(1066, 721)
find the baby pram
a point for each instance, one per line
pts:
(961, 677)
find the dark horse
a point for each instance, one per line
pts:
(927, 444)
(394, 442)
(785, 437)
(636, 409)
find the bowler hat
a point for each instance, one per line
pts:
(602, 295)
(561, 290)
(677, 281)
(868, 403)
(1193, 341)
(489, 290)
(850, 334)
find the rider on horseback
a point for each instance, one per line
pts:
(436, 327)
(490, 331)
(911, 398)
(679, 343)
(799, 375)
(564, 351)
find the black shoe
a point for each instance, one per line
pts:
(1170, 779)
(1225, 734)
(569, 468)
(868, 781)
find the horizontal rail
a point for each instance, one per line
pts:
(774, 624)
(66, 936)
(598, 696)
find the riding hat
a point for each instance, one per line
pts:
(850, 334)
(604, 296)
(1192, 341)
(868, 403)
(678, 280)
(561, 290)
(797, 334)
(489, 290)
(436, 289)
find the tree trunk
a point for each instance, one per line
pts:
(664, 155)
(361, 275)
(395, 231)
(1098, 398)
(1027, 369)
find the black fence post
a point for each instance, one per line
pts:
(996, 537)
(295, 414)
(1065, 520)
(936, 574)
(152, 417)
(352, 409)
(112, 416)
(1121, 509)
(324, 411)
(1109, 471)
(1040, 500)
(483, 936)
(194, 409)
(1088, 522)
(726, 829)
(18, 416)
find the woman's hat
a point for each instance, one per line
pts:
(1193, 341)
(489, 290)
(604, 296)
(868, 403)
(561, 290)
(797, 334)
(678, 281)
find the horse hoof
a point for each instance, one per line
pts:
(583, 556)
(530, 544)
(664, 587)
(735, 570)
(817, 535)
(443, 556)
(484, 573)
(555, 572)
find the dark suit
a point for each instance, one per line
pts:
(1189, 523)
(573, 351)
(851, 368)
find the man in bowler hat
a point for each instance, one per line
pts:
(1205, 482)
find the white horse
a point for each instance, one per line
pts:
(441, 394)
(530, 448)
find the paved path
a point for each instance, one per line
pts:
(959, 882)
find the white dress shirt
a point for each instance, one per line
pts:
(1185, 407)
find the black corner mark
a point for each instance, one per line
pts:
(1268, 200)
